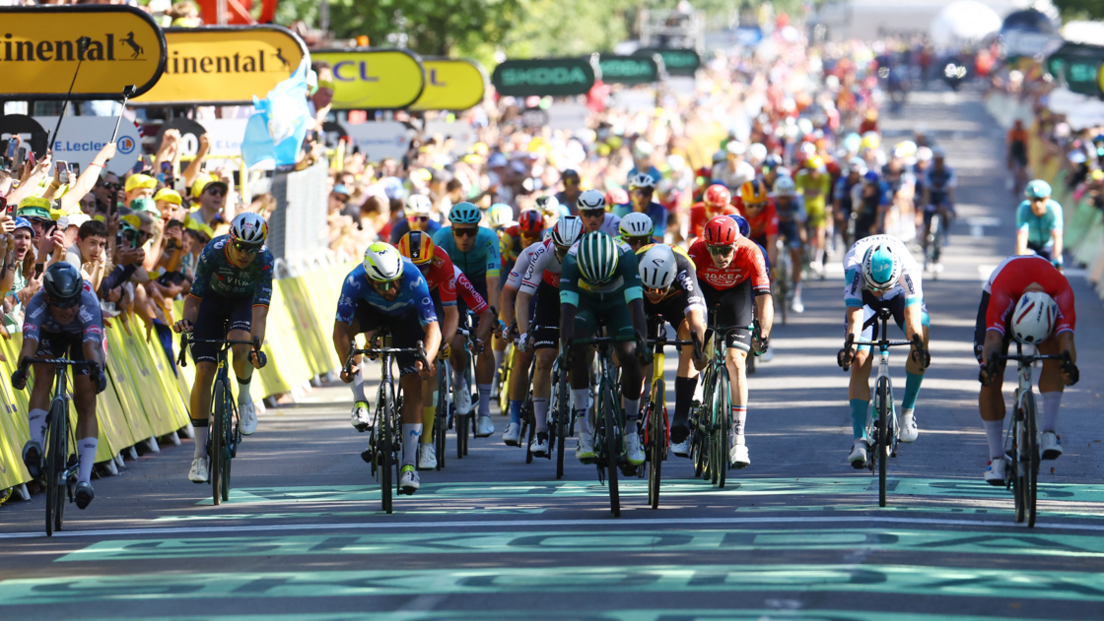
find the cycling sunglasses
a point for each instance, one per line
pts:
(644, 239)
(384, 287)
(245, 248)
(464, 232)
(418, 218)
(64, 304)
(721, 251)
(591, 213)
(660, 291)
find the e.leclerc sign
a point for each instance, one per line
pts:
(40, 50)
(543, 76)
(628, 69)
(677, 61)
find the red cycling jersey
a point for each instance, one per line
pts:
(764, 223)
(700, 215)
(748, 263)
(443, 277)
(1007, 285)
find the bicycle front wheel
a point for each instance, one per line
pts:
(56, 450)
(217, 435)
(656, 420)
(563, 415)
(724, 427)
(883, 403)
(383, 420)
(1030, 459)
(613, 446)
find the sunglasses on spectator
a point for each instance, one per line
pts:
(465, 232)
(111, 186)
(216, 192)
(245, 248)
(720, 251)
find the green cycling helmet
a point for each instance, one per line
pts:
(464, 213)
(597, 257)
(1037, 189)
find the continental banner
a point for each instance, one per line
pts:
(372, 79)
(114, 47)
(451, 84)
(543, 76)
(225, 66)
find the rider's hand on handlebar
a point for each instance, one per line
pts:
(845, 357)
(1070, 374)
(989, 370)
(762, 344)
(182, 326)
(426, 371)
(349, 372)
(445, 352)
(920, 354)
(19, 379)
(524, 342)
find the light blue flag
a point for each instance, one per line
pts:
(276, 131)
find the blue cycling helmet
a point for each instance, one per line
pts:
(742, 224)
(464, 213)
(1037, 189)
(870, 177)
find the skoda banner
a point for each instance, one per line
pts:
(677, 61)
(451, 84)
(371, 79)
(82, 137)
(225, 65)
(114, 46)
(1079, 66)
(630, 69)
(544, 76)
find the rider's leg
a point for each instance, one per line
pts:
(858, 392)
(84, 398)
(736, 362)
(519, 382)
(686, 382)
(411, 384)
(429, 408)
(542, 385)
(40, 402)
(821, 228)
(243, 369)
(499, 347)
(1051, 386)
(200, 402)
(484, 376)
(991, 404)
(580, 362)
(631, 379)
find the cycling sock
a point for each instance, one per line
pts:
(580, 399)
(912, 390)
(684, 395)
(411, 435)
(200, 439)
(515, 411)
(499, 356)
(1051, 402)
(458, 377)
(358, 388)
(484, 399)
(428, 414)
(243, 392)
(739, 419)
(540, 412)
(37, 420)
(632, 414)
(994, 429)
(859, 410)
(86, 449)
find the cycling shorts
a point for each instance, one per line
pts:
(1046, 252)
(731, 311)
(788, 232)
(818, 214)
(545, 318)
(896, 306)
(671, 310)
(614, 315)
(218, 316)
(405, 331)
(981, 328)
(62, 345)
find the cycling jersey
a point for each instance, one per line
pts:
(685, 283)
(524, 260)
(814, 188)
(215, 274)
(1039, 230)
(482, 261)
(509, 245)
(413, 296)
(764, 223)
(447, 280)
(402, 227)
(897, 180)
(657, 212)
(1007, 283)
(938, 183)
(39, 322)
(842, 193)
(544, 266)
(748, 264)
(910, 284)
(794, 212)
(700, 215)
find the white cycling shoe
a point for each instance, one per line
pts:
(585, 450)
(796, 306)
(427, 457)
(634, 454)
(463, 398)
(361, 417)
(909, 431)
(409, 480)
(512, 434)
(247, 418)
(1050, 445)
(994, 473)
(484, 427)
(738, 456)
(857, 458)
(682, 449)
(539, 446)
(198, 472)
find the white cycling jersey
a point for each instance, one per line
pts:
(524, 260)
(544, 266)
(910, 285)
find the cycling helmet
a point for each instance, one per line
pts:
(938, 152)
(717, 196)
(499, 215)
(772, 162)
(881, 268)
(591, 200)
(531, 222)
(754, 192)
(923, 154)
(464, 213)
(1037, 189)
(249, 228)
(382, 263)
(736, 147)
(784, 186)
(742, 224)
(857, 164)
(641, 180)
(597, 258)
(658, 267)
(757, 152)
(814, 163)
(418, 205)
(636, 224)
(871, 176)
(417, 246)
(63, 284)
(548, 205)
(1034, 317)
(721, 231)
(567, 231)
(617, 196)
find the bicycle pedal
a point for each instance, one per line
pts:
(368, 455)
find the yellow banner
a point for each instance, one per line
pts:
(451, 84)
(42, 47)
(374, 79)
(225, 65)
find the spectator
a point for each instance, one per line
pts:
(139, 186)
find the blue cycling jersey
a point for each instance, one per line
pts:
(1039, 229)
(402, 227)
(483, 260)
(413, 295)
(215, 274)
(657, 212)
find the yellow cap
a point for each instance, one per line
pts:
(196, 225)
(202, 181)
(140, 181)
(168, 195)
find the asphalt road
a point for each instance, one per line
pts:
(798, 535)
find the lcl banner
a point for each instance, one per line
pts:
(374, 79)
(451, 84)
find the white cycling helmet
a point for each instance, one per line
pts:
(1034, 317)
(736, 147)
(641, 180)
(249, 228)
(567, 231)
(881, 268)
(499, 215)
(757, 152)
(418, 205)
(636, 224)
(784, 186)
(658, 267)
(924, 154)
(591, 200)
(382, 262)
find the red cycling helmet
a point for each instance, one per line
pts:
(531, 222)
(717, 196)
(721, 231)
(617, 196)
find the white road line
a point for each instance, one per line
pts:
(484, 524)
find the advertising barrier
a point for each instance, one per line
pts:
(374, 79)
(544, 76)
(1080, 66)
(638, 69)
(82, 137)
(677, 61)
(451, 84)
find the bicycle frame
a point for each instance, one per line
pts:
(655, 426)
(57, 440)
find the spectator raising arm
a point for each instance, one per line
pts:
(30, 181)
(193, 169)
(87, 179)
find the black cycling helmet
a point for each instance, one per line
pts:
(63, 284)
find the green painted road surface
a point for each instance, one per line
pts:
(796, 536)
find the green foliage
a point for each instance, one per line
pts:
(1080, 9)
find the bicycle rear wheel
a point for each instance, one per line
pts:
(563, 416)
(613, 446)
(56, 454)
(1030, 464)
(656, 428)
(528, 427)
(218, 438)
(883, 402)
(724, 428)
(383, 421)
(440, 416)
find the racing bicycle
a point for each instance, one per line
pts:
(654, 422)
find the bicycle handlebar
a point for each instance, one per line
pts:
(419, 354)
(27, 361)
(187, 339)
(989, 369)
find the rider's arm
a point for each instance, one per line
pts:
(523, 299)
(569, 297)
(449, 324)
(1057, 231)
(506, 304)
(854, 315)
(764, 311)
(1021, 241)
(191, 308)
(432, 340)
(1065, 344)
(494, 266)
(772, 249)
(914, 321)
(260, 322)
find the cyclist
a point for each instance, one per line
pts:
(552, 210)
(1017, 154)
(600, 286)
(228, 300)
(815, 184)
(1026, 298)
(636, 230)
(869, 200)
(880, 272)
(513, 238)
(939, 186)
(388, 291)
(717, 201)
(842, 201)
(572, 189)
(63, 320)
(539, 299)
(672, 295)
(732, 274)
(791, 226)
(475, 250)
(444, 281)
(641, 189)
(592, 209)
(417, 210)
(756, 204)
(1039, 224)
